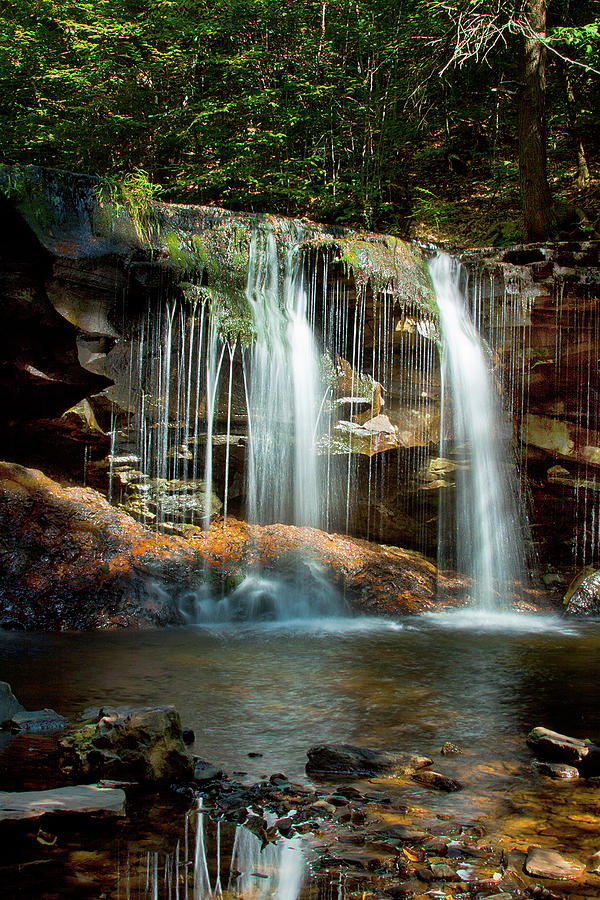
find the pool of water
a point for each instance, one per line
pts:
(277, 689)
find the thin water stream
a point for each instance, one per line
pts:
(488, 518)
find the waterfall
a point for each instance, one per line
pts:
(487, 519)
(283, 477)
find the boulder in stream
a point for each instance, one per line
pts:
(135, 744)
(348, 760)
(9, 705)
(560, 748)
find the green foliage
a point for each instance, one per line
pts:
(136, 194)
(302, 107)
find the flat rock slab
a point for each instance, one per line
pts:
(9, 705)
(83, 798)
(550, 864)
(560, 748)
(346, 759)
(39, 720)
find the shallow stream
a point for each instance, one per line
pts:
(277, 689)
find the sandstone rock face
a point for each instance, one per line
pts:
(348, 760)
(137, 745)
(74, 561)
(541, 317)
(78, 281)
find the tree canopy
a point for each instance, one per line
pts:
(344, 110)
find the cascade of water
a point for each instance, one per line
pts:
(489, 533)
(283, 476)
(282, 863)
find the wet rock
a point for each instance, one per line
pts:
(438, 846)
(449, 749)
(438, 781)
(425, 875)
(406, 834)
(351, 792)
(321, 808)
(550, 864)
(205, 773)
(336, 800)
(583, 596)
(142, 745)
(38, 721)
(348, 760)
(279, 780)
(406, 889)
(555, 770)
(560, 748)
(9, 705)
(84, 798)
(285, 826)
(188, 736)
(594, 863)
(443, 872)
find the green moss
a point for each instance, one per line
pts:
(384, 263)
(231, 312)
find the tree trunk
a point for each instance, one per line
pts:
(583, 172)
(537, 202)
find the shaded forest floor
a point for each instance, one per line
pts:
(469, 201)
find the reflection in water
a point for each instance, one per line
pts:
(216, 853)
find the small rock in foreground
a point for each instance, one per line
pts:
(550, 864)
(346, 759)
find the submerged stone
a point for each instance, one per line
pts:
(438, 781)
(550, 864)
